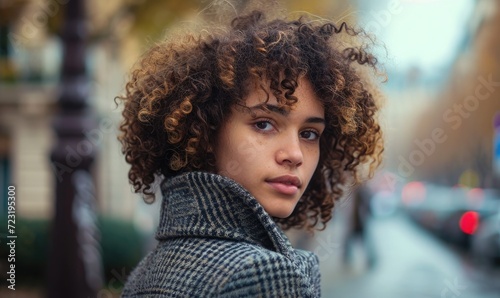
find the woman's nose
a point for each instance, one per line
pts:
(290, 152)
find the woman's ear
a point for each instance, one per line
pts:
(210, 147)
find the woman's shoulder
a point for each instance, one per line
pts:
(210, 266)
(234, 255)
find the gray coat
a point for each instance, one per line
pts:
(216, 240)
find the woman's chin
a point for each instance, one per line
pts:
(279, 212)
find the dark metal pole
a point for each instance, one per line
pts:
(75, 268)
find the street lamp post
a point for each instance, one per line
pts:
(74, 259)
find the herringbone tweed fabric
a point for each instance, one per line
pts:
(216, 240)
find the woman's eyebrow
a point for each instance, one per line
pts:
(315, 120)
(270, 107)
(284, 112)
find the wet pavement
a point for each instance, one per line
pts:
(408, 262)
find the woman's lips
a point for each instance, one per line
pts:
(284, 188)
(286, 184)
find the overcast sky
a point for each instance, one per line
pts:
(419, 33)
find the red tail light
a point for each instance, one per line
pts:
(469, 221)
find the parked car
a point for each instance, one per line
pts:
(452, 213)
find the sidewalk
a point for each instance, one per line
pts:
(410, 263)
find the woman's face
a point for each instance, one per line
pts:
(272, 154)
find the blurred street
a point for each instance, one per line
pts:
(440, 116)
(409, 262)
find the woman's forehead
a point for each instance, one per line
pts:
(261, 99)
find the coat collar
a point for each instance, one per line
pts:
(199, 204)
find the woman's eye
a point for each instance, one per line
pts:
(310, 135)
(264, 125)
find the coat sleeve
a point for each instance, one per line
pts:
(266, 276)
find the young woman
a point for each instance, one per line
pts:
(253, 130)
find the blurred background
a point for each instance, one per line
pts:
(427, 225)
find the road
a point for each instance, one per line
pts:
(409, 262)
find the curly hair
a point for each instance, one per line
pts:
(182, 91)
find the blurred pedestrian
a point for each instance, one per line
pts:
(253, 129)
(357, 235)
